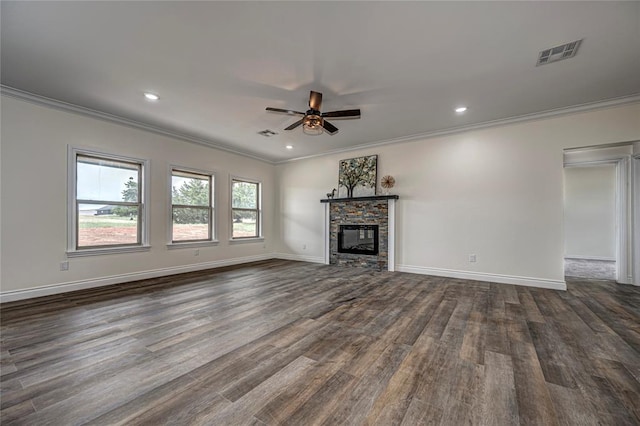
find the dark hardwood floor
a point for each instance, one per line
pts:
(283, 342)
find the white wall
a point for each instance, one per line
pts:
(34, 192)
(496, 193)
(590, 220)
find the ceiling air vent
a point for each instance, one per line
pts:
(558, 53)
(267, 133)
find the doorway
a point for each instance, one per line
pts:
(599, 175)
(590, 221)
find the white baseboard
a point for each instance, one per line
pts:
(482, 276)
(299, 257)
(10, 296)
(579, 257)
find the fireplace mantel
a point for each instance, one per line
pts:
(371, 198)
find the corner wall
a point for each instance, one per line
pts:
(496, 193)
(34, 207)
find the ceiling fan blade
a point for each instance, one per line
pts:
(284, 111)
(329, 128)
(315, 100)
(294, 125)
(347, 113)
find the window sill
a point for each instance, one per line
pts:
(192, 244)
(108, 250)
(246, 240)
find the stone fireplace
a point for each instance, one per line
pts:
(360, 231)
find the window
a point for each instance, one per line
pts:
(107, 203)
(245, 209)
(191, 206)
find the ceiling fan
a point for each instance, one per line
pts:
(313, 121)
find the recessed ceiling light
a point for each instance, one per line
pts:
(151, 96)
(289, 146)
(461, 109)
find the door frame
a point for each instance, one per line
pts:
(623, 212)
(635, 194)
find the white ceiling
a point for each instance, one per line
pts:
(406, 65)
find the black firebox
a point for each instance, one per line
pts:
(358, 239)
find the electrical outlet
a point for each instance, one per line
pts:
(196, 252)
(472, 258)
(64, 266)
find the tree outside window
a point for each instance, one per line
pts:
(108, 202)
(245, 209)
(191, 206)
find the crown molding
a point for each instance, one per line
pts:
(603, 146)
(69, 107)
(635, 98)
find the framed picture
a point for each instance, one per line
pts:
(357, 177)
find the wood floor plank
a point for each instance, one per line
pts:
(194, 406)
(500, 401)
(453, 334)
(283, 342)
(529, 305)
(7, 363)
(535, 405)
(417, 412)
(323, 402)
(517, 324)
(510, 293)
(392, 404)
(623, 325)
(420, 313)
(438, 379)
(625, 387)
(473, 342)
(148, 403)
(608, 408)
(32, 375)
(50, 392)
(553, 355)
(242, 411)
(353, 408)
(293, 397)
(109, 394)
(438, 322)
(276, 362)
(464, 406)
(16, 412)
(576, 410)
(589, 317)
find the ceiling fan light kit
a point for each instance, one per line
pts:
(312, 121)
(312, 125)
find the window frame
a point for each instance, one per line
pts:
(213, 210)
(258, 210)
(72, 204)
